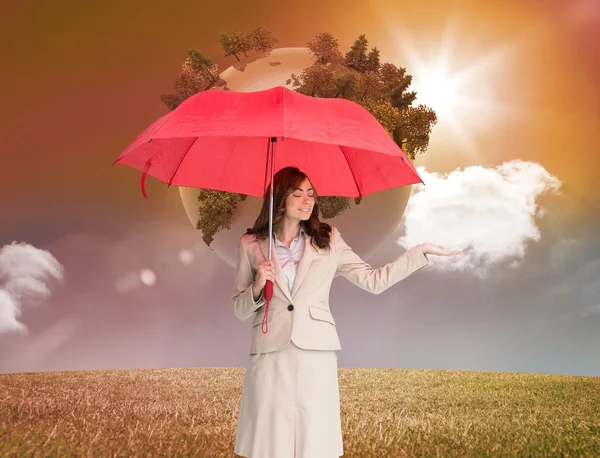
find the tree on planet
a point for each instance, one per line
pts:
(235, 44)
(380, 88)
(373, 62)
(257, 39)
(356, 58)
(325, 48)
(217, 209)
(261, 39)
(358, 76)
(202, 63)
(197, 74)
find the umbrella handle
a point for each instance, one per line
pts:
(268, 290)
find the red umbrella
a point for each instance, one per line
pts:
(226, 140)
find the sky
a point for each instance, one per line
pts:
(510, 173)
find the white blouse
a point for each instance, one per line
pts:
(289, 259)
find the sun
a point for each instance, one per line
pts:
(438, 89)
(465, 91)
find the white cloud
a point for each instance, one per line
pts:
(24, 273)
(489, 212)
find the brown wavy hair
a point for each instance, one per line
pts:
(285, 182)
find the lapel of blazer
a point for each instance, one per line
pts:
(310, 252)
(278, 275)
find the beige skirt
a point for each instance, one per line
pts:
(290, 406)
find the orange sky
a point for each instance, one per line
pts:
(85, 79)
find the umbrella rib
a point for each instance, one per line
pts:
(181, 160)
(284, 116)
(351, 170)
(267, 166)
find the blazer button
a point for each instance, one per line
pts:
(290, 307)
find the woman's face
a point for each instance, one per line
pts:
(299, 204)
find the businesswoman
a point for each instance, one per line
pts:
(290, 405)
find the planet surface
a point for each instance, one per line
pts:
(365, 227)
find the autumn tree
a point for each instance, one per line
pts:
(325, 48)
(380, 88)
(190, 81)
(261, 39)
(258, 39)
(413, 129)
(216, 211)
(318, 80)
(391, 76)
(366, 87)
(246, 42)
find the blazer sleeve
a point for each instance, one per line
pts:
(244, 305)
(376, 281)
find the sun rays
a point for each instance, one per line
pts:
(465, 89)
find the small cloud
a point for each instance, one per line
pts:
(24, 273)
(588, 310)
(490, 212)
(593, 309)
(561, 252)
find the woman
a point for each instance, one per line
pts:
(290, 404)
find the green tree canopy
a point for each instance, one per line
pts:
(229, 46)
(356, 58)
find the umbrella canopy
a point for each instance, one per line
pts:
(226, 140)
(219, 140)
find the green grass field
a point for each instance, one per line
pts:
(385, 413)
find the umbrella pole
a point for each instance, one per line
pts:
(268, 291)
(273, 140)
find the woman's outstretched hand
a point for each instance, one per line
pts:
(430, 248)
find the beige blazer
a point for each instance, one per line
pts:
(303, 314)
